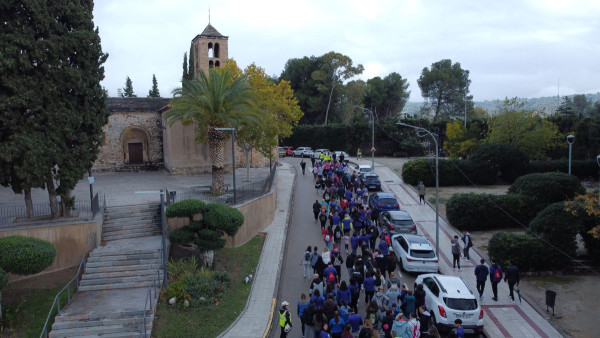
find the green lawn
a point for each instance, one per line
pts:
(211, 320)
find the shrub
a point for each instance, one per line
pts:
(25, 255)
(526, 251)
(559, 228)
(176, 289)
(452, 172)
(181, 235)
(508, 161)
(485, 211)
(3, 279)
(223, 218)
(177, 269)
(580, 168)
(547, 188)
(186, 208)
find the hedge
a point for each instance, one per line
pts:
(452, 172)
(559, 228)
(580, 168)
(526, 251)
(25, 255)
(547, 188)
(508, 161)
(486, 211)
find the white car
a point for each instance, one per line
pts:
(317, 153)
(414, 253)
(363, 169)
(448, 298)
(303, 151)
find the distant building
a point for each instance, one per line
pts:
(137, 138)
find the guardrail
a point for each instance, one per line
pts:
(151, 298)
(91, 245)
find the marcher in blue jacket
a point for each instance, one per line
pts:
(481, 273)
(495, 278)
(344, 294)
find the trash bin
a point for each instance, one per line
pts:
(550, 300)
(172, 195)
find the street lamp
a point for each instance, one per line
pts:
(372, 135)
(598, 160)
(570, 140)
(232, 130)
(420, 133)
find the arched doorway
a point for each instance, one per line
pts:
(135, 145)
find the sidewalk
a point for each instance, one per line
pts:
(502, 318)
(261, 306)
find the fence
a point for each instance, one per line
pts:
(17, 215)
(231, 197)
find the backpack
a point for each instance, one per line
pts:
(331, 277)
(337, 233)
(497, 274)
(307, 256)
(388, 241)
(327, 239)
(308, 315)
(337, 259)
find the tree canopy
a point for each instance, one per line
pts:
(128, 90)
(154, 91)
(386, 97)
(446, 87)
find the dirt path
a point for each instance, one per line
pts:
(576, 310)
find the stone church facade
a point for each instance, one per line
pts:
(137, 138)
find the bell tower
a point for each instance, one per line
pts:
(210, 50)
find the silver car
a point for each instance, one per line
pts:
(414, 253)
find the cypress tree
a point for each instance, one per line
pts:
(184, 75)
(154, 91)
(128, 90)
(191, 66)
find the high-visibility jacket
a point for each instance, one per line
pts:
(283, 319)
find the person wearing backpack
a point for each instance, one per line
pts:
(336, 258)
(307, 319)
(330, 274)
(314, 258)
(337, 236)
(374, 233)
(414, 325)
(316, 209)
(306, 262)
(400, 327)
(495, 278)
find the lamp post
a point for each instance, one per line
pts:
(598, 160)
(570, 140)
(91, 182)
(420, 132)
(372, 135)
(232, 130)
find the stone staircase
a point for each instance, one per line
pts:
(114, 288)
(131, 221)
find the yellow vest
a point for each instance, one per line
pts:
(359, 152)
(282, 318)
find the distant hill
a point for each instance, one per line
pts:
(548, 103)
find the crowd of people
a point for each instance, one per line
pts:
(353, 237)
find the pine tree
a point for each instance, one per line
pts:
(53, 106)
(128, 90)
(154, 91)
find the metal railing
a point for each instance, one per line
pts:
(15, 215)
(151, 298)
(91, 245)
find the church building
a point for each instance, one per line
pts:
(137, 138)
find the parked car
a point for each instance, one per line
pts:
(371, 181)
(282, 151)
(448, 298)
(363, 169)
(302, 152)
(289, 151)
(384, 201)
(397, 222)
(317, 153)
(414, 253)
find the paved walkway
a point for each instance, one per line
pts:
(261, 305)
(502, 318)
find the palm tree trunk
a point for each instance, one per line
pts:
(216, 147)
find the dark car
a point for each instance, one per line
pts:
(384, 201)
(371, 181)
(397, 222)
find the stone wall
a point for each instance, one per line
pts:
(131, 120)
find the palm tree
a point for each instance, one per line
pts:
(214, 101)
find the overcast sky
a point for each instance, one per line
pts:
(511, 48)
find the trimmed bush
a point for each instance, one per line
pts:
(182, 235)
(559, 227)
(547, 188)
(525, 250)
(25, 255)
(485, 211)
(508, 161)
(223, 218)
(452, 172)
(186, 208)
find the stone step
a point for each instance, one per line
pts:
(131, 212)
(123, 256)
(116, 280)
(102, 330)
(99, 315)
(130, 224)
(125, 235)
(105, 321)
(117, 268)
(122, 263)
(147, 206)
(144, 215)
(118, 274)
(127, 285)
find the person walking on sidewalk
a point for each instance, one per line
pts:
(495, 278)
(466, 238)
(421, 189)
(455, 252)
(512, 277)
(303, 303)
(481, 273)
(306, 260)
(285, 319)
(303, 166)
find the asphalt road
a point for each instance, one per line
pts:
(304, 231)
